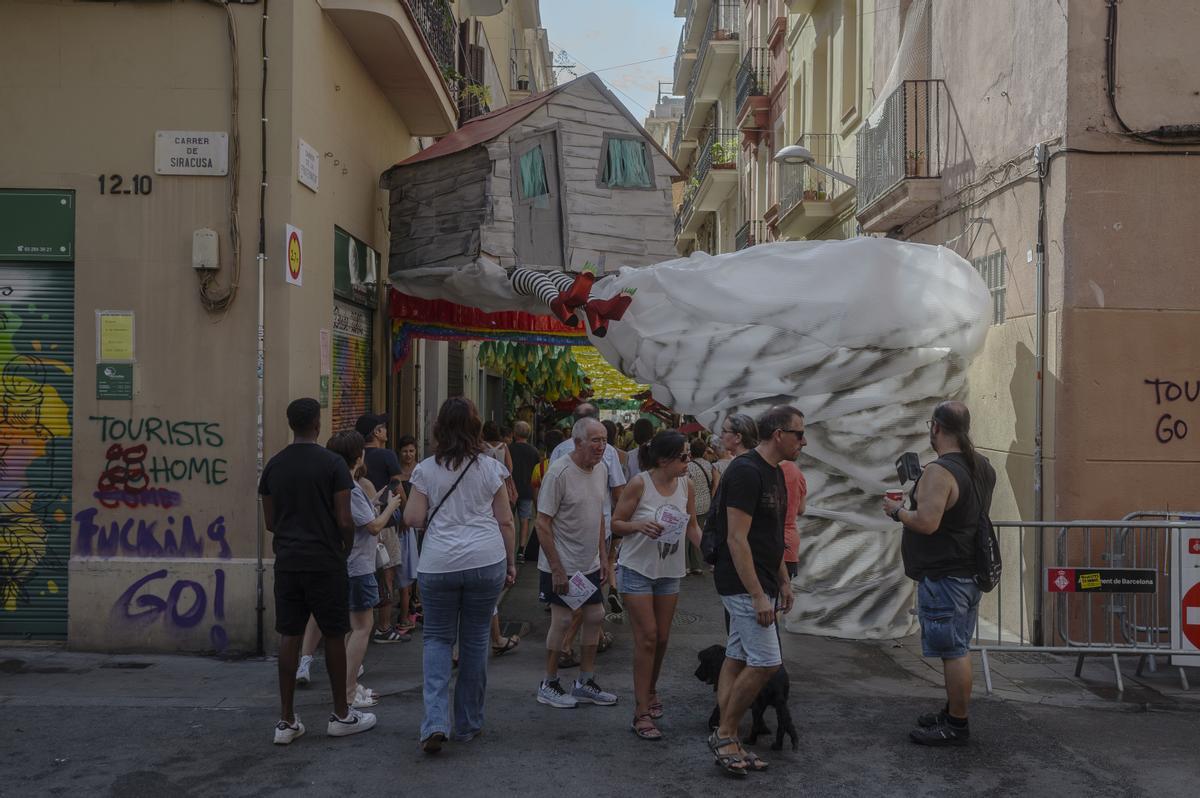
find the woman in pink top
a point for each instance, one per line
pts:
(797, 492)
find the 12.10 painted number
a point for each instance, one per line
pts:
(115, 184)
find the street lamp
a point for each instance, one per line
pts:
(795, 154)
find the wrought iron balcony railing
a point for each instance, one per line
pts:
(749, 234)
(724, 24)
(798, 183)
(719, 151)
(910, 142)
(436, 21)
(754, 75)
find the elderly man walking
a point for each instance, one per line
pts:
(570, 528)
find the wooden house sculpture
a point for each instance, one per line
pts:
(562, 179)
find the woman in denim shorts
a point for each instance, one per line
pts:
(369, 521)
(657, 511)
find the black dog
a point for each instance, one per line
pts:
(774, 694)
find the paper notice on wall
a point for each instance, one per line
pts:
(325, 363)
(114, 336)
(579, 587)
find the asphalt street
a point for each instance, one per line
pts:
(85, 724)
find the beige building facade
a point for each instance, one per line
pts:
(1064, 171)
(130, 375)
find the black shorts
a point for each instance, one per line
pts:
(546, 589)
(323, 594)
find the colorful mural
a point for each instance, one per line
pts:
(36, 324)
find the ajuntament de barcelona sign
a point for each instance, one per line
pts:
(191, 152)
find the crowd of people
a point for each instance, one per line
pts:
(370, 543)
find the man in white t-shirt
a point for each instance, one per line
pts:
(616, 483)
(570, 527)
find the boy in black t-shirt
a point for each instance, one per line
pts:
(751, 576)
(305, 491)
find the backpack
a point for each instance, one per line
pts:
(712, 537)
(988, 564)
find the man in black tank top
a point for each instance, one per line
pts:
(938, 548)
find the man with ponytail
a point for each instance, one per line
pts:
(938, 547)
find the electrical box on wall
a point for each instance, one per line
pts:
(205, 249)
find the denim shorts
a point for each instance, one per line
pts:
(948, 608)
(525, 508)
(757, 646)
(364, 592)
(631, 582)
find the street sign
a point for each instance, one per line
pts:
(294, 243)
(191, 152)
(1185, 594)
(37, 225)
(1101, 580)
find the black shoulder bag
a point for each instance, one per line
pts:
(430, 517)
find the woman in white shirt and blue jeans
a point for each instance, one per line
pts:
(460, 498)
(657, 511)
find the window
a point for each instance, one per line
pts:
(849, 88)
(533, 174)
(991, 269)
(625, 163)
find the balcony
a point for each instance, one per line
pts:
(522, 76)
(900, 159)
(406, 46)
(748, 235)
(685, 59)
(712, 182)
(808, 198)
(716, 56)
(801, 6)
(753, 86)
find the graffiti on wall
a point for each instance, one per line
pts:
(140, 511)
(180, 605)
(35, 455)
(1173, 397)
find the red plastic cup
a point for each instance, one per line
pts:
(895, 495)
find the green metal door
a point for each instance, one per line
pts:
(36, 396)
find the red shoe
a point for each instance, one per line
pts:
(579, 291)
(564, 314)
(613, 309)
(597, 323)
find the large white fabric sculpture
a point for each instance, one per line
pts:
(863, 335)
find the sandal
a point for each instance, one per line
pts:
(753, 762)
(567, 660)
(643, 726)
(727, 762)
(510, 642)
(604, 643)
(656, 709)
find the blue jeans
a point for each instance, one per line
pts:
(458, 607)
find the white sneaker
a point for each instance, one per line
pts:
(303, 675)
(353, 723)
(364, 697)
(285, 732)
(590, 691)
(360, 672)
(552, 694)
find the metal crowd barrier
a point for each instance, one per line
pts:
(1084, 623)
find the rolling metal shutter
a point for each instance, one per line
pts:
(37, 339)
(351, 378)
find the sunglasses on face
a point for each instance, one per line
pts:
(799, 433)
(685, 457)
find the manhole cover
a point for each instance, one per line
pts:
(1031, 658)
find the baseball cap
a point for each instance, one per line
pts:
(367, 423)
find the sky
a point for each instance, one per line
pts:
(598, 34)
